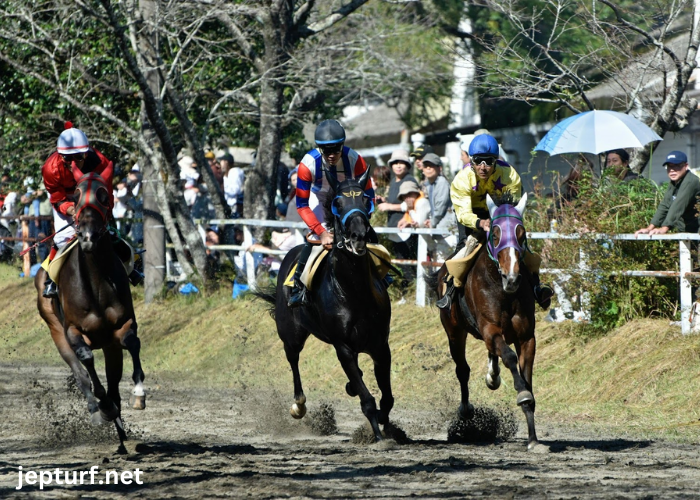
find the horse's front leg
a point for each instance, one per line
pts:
(382, 372)
(526, 356)
(86, 357)
(497, 345)
(348, 360)
(130, 341)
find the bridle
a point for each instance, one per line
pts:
(353, 191)
(507, 218)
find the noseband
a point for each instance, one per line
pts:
(509, 220)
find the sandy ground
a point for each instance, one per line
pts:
(206, 443)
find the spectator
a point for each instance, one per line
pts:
(292, 213)
(381, 177)
(45, 225)
(464, 150)
(216, 169)
(417, 206)
(438, 189)
(188, 169)
(135, 204)
(617, 161)
(234, 181)
(403, 247)
(677, 209)
(418, 155)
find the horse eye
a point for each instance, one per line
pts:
(520, 233)
(102, 196)
(496, 231)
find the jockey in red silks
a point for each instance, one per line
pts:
(72, 151)
(312, 191)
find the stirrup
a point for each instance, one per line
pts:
(50, 289)
(446, 301)
(299, 296)
(543, 296)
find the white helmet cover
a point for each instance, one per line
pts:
(72, 141)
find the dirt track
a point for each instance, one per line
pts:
(222, 444)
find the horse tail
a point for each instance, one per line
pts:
(269, 295)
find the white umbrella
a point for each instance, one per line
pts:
(596, 132)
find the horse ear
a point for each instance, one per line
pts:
(332, 180)
(520, 207)
(77, 173)
(489, 203)
(107, 172)
(364, 177)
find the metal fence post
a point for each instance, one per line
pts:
(686, 264)
(422, 257)
(249, 259)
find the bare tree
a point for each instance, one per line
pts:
(580, 55)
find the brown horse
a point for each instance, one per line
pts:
(494, 307)
(94, 308)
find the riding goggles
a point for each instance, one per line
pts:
(74, 157)
(489, 161)
(330, 149)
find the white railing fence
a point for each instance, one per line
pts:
(421, 262)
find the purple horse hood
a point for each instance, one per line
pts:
(507, 218)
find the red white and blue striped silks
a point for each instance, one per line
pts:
(310, 179)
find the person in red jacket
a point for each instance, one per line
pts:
(72, 150)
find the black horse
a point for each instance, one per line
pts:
(348, 308)
(94, 308)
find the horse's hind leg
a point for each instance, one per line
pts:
(526, 355)
(130, 341)
(458, 343)
(298, 409)
(382, 372)
(348, 359)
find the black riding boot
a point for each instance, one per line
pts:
(136, 277)
(543, 293)
(299, 292)
(50, 288)
(446, 301)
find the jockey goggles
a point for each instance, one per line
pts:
(74, 157)
(489, 161)
(329, 149)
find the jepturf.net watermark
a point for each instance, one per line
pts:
(92, 476)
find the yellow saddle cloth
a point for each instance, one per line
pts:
(54, 266)
(380, 258)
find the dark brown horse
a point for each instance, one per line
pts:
(348, 306)
(94, 309)
(494, 307)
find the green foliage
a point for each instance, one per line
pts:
(608, 206)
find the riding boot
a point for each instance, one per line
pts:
(50, 288)
(543, 293)
(299, 295)
(446, 301)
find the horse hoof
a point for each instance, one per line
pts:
(348, 389)
(98, 419)
(466, 412)
(138, 402)
(493, 383)
(298, 410)
(525, 397)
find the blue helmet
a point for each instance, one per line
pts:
(329, 132)
(483, 144)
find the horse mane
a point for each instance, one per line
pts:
(506, 198)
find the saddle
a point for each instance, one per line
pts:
(459, 266)
(124, 251)
(380, 259)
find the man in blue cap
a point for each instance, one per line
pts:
(677, 209)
